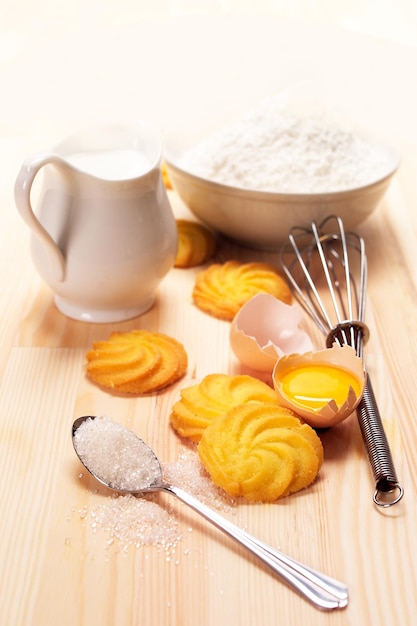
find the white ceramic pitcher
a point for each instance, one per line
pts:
(103, 232)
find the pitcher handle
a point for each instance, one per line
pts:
(22, 191)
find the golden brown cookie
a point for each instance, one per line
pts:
(165, 176)
(138, 361)
(216, 394)
(196, 244)
(258, 452)
(222, 289)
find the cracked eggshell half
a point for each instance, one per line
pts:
(322, 387)
(265, 329)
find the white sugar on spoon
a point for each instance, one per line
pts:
(121, 461)
(115, 455)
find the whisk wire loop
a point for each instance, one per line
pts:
(327, 265)
(328, 255)
(311, 303)
(304, 287)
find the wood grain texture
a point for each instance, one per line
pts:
(56, 566)
(57, 569)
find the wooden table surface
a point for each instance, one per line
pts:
(56, 568)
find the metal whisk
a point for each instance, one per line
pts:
(325, 255)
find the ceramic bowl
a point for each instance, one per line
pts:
(262, 219)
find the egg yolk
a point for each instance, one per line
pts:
(314, 386)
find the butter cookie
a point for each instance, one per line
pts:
(222, 289)
(258, 452)
(196, 244)
(215, 395)
(137, 361)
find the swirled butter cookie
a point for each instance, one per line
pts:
(222, 289)
(216, 394)
(137, 361)
(196, 244)
(257, 452)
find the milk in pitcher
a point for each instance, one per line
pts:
(111, 164)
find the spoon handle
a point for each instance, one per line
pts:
(321, 590)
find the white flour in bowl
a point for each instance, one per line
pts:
(278, 149)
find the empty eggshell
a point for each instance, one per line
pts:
(265, 329)
(342, 359)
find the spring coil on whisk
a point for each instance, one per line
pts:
(387, 485)
(388, 490)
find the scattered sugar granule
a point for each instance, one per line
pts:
(137, 522)
(115, 455)
(277, 148)
(188, 473)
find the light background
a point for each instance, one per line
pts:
(392, 19)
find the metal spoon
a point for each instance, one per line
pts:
(324, 592)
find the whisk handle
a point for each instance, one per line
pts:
(388, 490)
